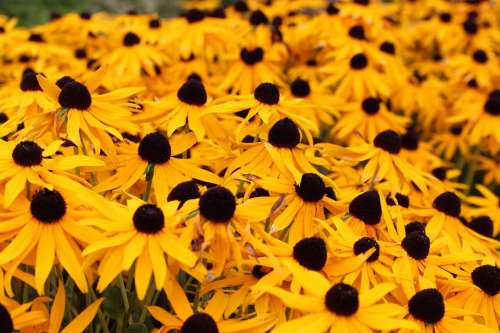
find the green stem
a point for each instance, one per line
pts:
(471, 171)
(150, 295)
(150, 170)
(123, 292)
(100, 315)
(126, 304)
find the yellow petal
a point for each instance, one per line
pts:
(83, 320)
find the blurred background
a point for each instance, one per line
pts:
(31, 12)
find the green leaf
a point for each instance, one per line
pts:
(113, 303)
(137, 328)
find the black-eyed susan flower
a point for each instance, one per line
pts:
(360, 261)
(142, 233)
(26, 163)
(356, 78)
(295, 204)
(251, 67)
(477, 291)
(431, 311)
(87, 117)
(367, 118)
(443, 220)
(19, 104)
(186, 108)
(383, 161)
(47, 229)
(154, 159)
(268, 106)
(340, 307)
(225, 225)
(282, 154)
(131, 58)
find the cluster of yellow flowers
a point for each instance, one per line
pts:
(267, 166)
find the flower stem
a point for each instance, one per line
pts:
(149, 181)
(150, 295)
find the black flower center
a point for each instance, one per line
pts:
(439, 173)
(389, 141)
(24, 58)
(251, 57)
(85, 15)
(332, 10)
(184, 191)
(284, 134)
(217, 204)
(342, 299)
(75, 95)
(359, 61)
(3, 118)
(480, 56)
(492, 105)
(131, 39)
(259, 271)
(241, 6)
(362, 2)
(311, 63)
(267, 93)
(155, 148)
(487, 277)
(258, 17)
(456, 129)
(357, 32)
(416, 245)
(388, 47)
(410, 139)
(6, 323)
(414, 226)
(445, 17)
(154, 23)
(199, 323)
(483, 225)
(259, 192)
(370, 105)
(194, 15)
(37, 38)
(470, 27)
(427, 305)
(192, 92)
(402, 200)
(48, 206)
(311, 188)
(448, 203)
(300, 88)
(364, 244)
(311, 253)
(2, 30)
(63, 81)
(27, 153)
(29, 81)
(80, 53)
(366, 207)
(148, 219)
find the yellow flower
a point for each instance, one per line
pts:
(84, 113)
(47, 229)
(339, 307)
(142, 233)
